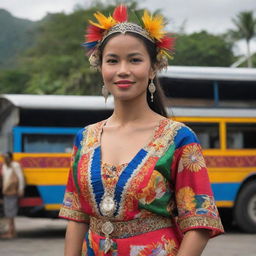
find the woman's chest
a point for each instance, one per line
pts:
(128, 186)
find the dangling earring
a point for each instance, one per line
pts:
(152, 89)
(104, 92)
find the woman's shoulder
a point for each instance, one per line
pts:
(183, 134)
(89, 130)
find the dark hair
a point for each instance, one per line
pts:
(8, 154)
(158, 105)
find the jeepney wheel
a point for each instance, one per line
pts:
(245, 209)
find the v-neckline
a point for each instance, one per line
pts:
(98, 187)
(151, 139)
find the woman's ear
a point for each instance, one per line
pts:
(152, 74)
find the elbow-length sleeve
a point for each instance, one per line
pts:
(193, 194)
(72, 207)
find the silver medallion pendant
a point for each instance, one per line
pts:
(107, 228)
(107, 206)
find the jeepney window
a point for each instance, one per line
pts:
(207, 133)
(47, 143)
(241, 135)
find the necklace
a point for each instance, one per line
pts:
(108, 204)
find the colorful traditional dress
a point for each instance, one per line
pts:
(143, 207)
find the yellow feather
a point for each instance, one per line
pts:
(103, 21)
(154, 25)
(166, 54)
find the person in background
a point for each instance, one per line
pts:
(13, 185)
(138, 184)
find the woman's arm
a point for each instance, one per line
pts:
(194, 242)
(74, 238)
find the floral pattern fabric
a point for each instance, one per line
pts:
(167, 177)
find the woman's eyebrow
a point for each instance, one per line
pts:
(134, 54)
(111, 55)
(129, 55)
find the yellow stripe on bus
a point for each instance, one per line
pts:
(215, 119)
(46, 176)
(224, 203)
(230, 152)
(18, 156)
(232, 175)
(52, 207)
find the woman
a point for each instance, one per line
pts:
(138, 183)
(12, 189)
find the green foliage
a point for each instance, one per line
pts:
(202, 49)
(13, 81)
(15, 37)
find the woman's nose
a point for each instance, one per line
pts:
(123, 69)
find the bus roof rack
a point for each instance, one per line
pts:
(210, 73)
(65, 102)
(71, 102)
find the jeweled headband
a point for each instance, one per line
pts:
(152, 29)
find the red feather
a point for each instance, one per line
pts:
(93, 33)
(166, 43)
(120, 13)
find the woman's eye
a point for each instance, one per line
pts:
(111, 61)
(136, 60)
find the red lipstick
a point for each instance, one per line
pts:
(124, 83)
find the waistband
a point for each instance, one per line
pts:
(124, 229)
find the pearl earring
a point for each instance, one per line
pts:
(152, 89)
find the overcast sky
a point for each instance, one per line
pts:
(214, 16)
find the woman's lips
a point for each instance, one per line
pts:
(124, 84)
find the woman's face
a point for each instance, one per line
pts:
(126, 67)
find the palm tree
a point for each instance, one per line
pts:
(245, 29)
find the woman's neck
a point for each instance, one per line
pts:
(131, 111)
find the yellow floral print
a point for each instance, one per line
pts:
(192, 158)
(91, 141)
(158, 145)
(170, 247)
(186, 199)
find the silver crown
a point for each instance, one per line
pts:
(128, 27)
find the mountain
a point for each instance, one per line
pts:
(16, 36)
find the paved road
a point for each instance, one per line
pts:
(45, 237)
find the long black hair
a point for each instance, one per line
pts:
(158, 104)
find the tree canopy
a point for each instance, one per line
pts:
(57, 64)
(202, 49)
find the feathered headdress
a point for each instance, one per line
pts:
(152, 28)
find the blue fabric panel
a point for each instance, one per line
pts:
(184, 137)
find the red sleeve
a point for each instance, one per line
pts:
(194, 197)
